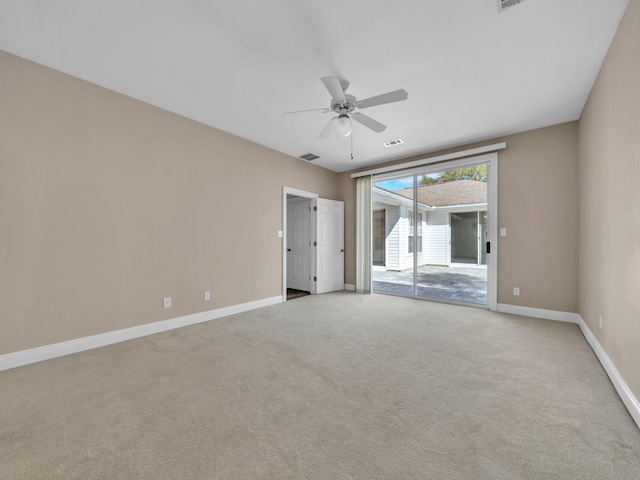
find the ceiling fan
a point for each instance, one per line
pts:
(344, 106)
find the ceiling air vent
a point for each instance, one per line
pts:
(504, 4)
(309, 157)
(392, 143)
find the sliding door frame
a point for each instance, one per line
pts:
(491, 159)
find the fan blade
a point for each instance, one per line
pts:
(335, 88)
(369, 122)
(323, 110)
(329, 128)
(390, 97)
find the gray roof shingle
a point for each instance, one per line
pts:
(459, 192)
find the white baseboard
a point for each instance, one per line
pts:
(626, 395)
(539, 313)
(350, 287)
(33, 355)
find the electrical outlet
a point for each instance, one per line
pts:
(516, 291)
(600, 322)
(503, 232)
(166, 302)
(207, 296)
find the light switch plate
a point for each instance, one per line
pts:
(503, 232)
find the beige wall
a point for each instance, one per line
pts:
(538, 205)
(610, 202)
(107, 205)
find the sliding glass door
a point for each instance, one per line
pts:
(393, 241)
(430, 233)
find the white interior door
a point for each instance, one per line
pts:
(330, 245)
(299, 244)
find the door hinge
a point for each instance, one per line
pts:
(315, 279)
(488, 247)
(315, 208)
(315, 244)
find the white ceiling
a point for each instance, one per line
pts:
(471, 73)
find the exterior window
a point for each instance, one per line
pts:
(419, 231)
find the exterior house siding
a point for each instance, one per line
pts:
(422, 253)
(406, 258)
(433, 228)
(436, 238)
(392, 244)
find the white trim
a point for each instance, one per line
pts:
(539, 313)
(298, 193)
(492, 230)
(471, 207)
(350, 287)
(413, 224)
(439, 158)
(33, 355)
(625, 393)
(437, 167)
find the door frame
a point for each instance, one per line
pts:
(297, 193)
(306, 216)
(491, 159)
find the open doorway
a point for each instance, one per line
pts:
(313, 244)
(298, 244)
(467, 233)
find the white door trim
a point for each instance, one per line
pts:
(298, 193)
(492, 229)
(298, 210)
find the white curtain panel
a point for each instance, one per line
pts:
(363, 234)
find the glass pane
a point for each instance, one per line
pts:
(464, 237)
(443, 234)
(452, 264)
(393, 240)
(483, 237)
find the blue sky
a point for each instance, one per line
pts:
(396, 183)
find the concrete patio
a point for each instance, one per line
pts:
(457, 283)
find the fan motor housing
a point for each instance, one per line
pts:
(345, 107)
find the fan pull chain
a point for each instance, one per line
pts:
(351, 145)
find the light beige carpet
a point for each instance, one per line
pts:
(337, 386)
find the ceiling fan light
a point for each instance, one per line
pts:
(343, 126)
